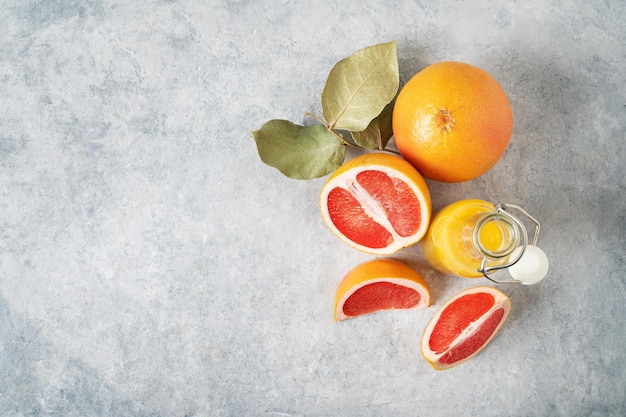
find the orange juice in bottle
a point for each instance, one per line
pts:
(473, 238)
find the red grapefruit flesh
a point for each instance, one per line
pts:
(464, 326)
(379, 296)
(351, 219)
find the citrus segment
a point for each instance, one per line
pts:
(464, 326)
(452, 121)
(473, 343)
(381, 284)
(378, 296)
(350, 217)
(457, 317)
(401, 206)
(377, 203)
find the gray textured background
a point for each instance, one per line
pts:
(151, 265)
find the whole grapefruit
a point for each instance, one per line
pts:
(452, 121)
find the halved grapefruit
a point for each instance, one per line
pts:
(380, 284)
(377, 203)
(464, 325)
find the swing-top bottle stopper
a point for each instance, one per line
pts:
(527, 264)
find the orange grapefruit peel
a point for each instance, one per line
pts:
(452, 121)
(377, 285)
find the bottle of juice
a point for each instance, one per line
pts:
(474, 238)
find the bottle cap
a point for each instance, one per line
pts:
(532, 267)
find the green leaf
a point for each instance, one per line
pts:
(299, 152)
(360, 86)
(378, 132)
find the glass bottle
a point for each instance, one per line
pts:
(474, 238)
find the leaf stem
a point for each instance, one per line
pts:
(345, 142)
(319, 119)
(331, 130)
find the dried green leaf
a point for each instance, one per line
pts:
(360, 86)
(299, 152)
(378, 132)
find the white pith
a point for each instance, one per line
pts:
(500, 301)
(372, 208)
(424, 297)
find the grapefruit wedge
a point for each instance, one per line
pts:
(464, 326)
(380, 284)
(377, 203)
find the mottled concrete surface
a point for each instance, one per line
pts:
(152, 265)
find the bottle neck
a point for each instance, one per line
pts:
(491, 235)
